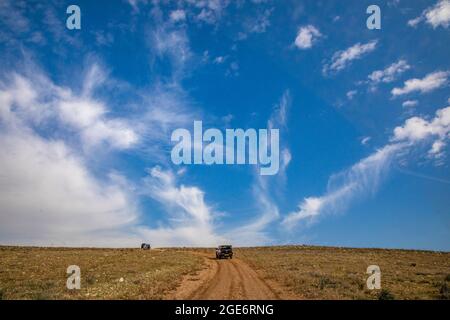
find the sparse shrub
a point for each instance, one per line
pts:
(325, 282)
(444, 292)
(385, 295)
(413, 264)
(41, 296)
(447, 278)
(90, 280)
(1, 294)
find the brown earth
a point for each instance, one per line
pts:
(341, 273)
(228, 279)
(287, 272)
(40, 273)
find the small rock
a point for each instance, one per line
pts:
(121, 280)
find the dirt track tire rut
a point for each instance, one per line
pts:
(232, 279)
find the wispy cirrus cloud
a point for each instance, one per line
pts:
(51, 192)
(190, 218)
(265, 188)
(49, 195)
(365, 140)
(208, 11)
(364, 177)
(36, 99)
(177, 15)
(349, 185)
(172, 43)
(257, 24)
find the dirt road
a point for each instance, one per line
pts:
(227, 279)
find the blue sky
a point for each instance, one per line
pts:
(86, 118)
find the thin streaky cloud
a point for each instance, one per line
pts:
(342, 59)
(421, 175)
(364, 177)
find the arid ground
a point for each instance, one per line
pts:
(288, 272)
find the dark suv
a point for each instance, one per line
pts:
(225, 251)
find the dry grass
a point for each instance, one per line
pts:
(40, 273)
(340, 273)
(311, 272)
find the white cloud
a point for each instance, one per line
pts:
(191, 218)
(136, 3)
(417, 128)
(438, 15)
(342, 59)
(174, 44)
(210, 11)
(178, 15)
(49, 197)
(103, 38)
(365, 176)
(41, 100)
(361, 179)
(49, 193)
(429, 83)
(414, 128)
(436, 149)
(233, 69)
(220, 59)
(350, 94)
(88, 117)
(13, 18)
(410, 103)
(286, 158)
(390, 73)
(257, 24)
(365, 140)
(307, 36)
(261, 23)
(393, 3)
(414, 22)
(278, 118)
(255, 232)
(265, 187)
